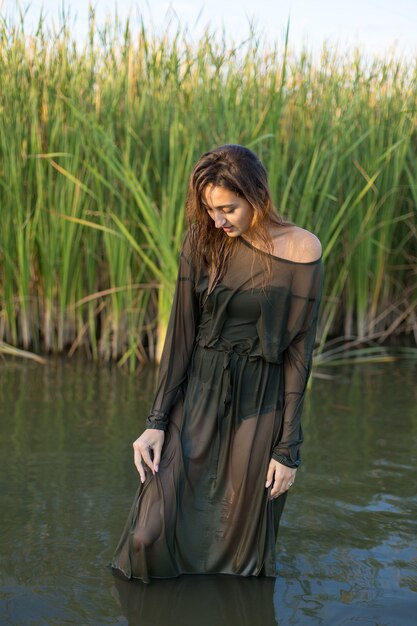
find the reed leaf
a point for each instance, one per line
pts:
(97, 143)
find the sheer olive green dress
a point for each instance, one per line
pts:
(230, 393)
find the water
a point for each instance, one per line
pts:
(348, 541)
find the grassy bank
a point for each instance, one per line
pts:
(97, 143)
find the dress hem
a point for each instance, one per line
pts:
(117, 571)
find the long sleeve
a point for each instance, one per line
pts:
(178, 344)
(307, 288)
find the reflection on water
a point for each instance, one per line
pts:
(202, 600)
(347, 545)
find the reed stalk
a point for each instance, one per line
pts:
(96, 146)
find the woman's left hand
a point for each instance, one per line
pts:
(280, 477)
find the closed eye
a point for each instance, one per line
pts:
(210, 210)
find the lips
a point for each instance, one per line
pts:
(227, 228)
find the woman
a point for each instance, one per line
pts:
(221, 445)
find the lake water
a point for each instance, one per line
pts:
(347, 549)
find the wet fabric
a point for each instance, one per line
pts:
(230, 393)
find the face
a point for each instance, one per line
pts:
(228, 211)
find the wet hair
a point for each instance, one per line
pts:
(239, 170)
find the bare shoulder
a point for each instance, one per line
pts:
(307, 245)
(297, 244)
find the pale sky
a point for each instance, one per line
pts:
(374, 25)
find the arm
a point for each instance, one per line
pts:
(307, 287)
(302, 324)
(179, 342)
(175, 358)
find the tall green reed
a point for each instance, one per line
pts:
(97, 143)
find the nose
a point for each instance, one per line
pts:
(219, 219)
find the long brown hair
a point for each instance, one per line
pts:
(239, 170)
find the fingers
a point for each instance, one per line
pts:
(142, 455)
(138, 463)
(146, 456)
(156, 457)
(270, 475)
(281, 478)
(147, 452)
(278, 487)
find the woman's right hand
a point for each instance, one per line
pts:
(150, 440)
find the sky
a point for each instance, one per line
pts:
(375, 26)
